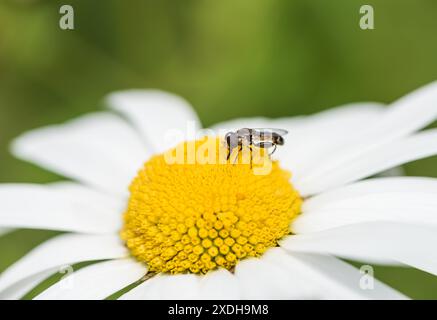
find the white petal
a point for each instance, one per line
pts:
(166, 287)
(112, 204)
(402, 199)
(99, 149)
(21, 288)
(158, 115)
(312, 137)
(326, 277)
(261, 280)
(63, 250)
(63, 207)
(326, 131)
(380, 242)
(408, 114)
(346, 115)
(96, 282)
(326, 219)
(404, 116)
(380, 158)
(219, 285)
(372, 186)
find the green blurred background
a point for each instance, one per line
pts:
(229, 58)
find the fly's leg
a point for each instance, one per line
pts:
(229, 153)
(251, 156)
(275, 146)
(240, 148)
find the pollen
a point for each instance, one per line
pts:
(195, 217)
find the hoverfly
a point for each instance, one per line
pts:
(258, 137)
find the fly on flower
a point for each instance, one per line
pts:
(264, 138)
(186, 230)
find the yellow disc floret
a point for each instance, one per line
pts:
(195, 217)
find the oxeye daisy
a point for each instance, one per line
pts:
(217, 229)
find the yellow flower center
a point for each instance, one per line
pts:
(195, 217)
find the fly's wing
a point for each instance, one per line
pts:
(270, 131)
(264, 135)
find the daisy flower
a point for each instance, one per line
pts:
(214, 231)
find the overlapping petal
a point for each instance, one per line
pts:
(397, 199)
(96, 282)
(168, 287)
(162, 118)
(100, 150)
(60, 206)
(379, 242)
(60, 251)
